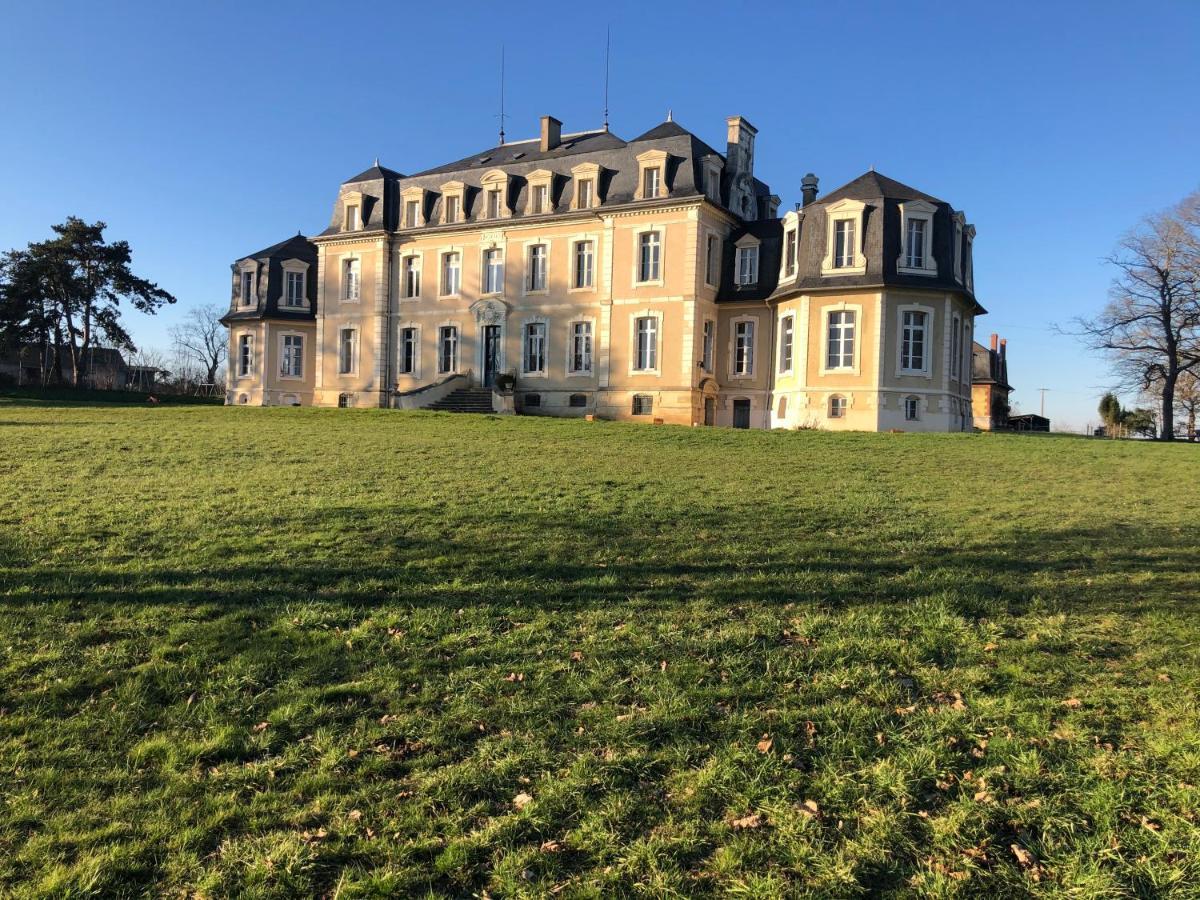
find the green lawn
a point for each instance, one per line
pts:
(360, 653)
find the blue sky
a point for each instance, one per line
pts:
(201, 132)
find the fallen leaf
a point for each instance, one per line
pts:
(551, 846)
(764, 746)
(754, 820)
(515, 676)
(809, 808)
(261, 726)
(352, 753)
(1073, 702)
(1024, 857)
(355, 815)
(989, 647)
(522, 800)
(1163, 676)
(576, 656)
(1150, 825)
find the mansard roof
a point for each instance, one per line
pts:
(375, 172)
(769, 235)
(270, 263)
(530, 151)
(872, 185)
(295, 247)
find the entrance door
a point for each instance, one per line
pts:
(741, 413)
(710, 411)
(491, 354)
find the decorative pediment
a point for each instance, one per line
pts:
(490, 311)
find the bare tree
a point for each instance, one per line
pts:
(1151, 325)
(1187, 401)
(201, 339)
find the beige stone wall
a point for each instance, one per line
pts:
(265, 385)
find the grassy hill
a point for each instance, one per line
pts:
(300, 652)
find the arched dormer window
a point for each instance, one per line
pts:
(652, 175)
(495, 195)
(745, 270)
(539, 200)
(844, 239)
(916, 238)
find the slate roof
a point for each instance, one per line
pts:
(872, 184)
(268, 307)
(770, 236)
(376, 171)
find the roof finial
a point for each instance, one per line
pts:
(670, 117)
(377, 162)
(872, 167)
(501, 95)
(607, 45)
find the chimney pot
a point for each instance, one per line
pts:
(1004, 348)
(551, 133)
(808, 188)
(995, 341)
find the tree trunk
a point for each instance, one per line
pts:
(1166, 430)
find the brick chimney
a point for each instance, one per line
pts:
(995, 341)
(1004, 349)
(551, 133)
(739, 166)
(808, 188)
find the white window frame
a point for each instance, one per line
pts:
(590, 284)
(535, 322)
(841, 211)
(661, 231)
(350, 367)
(295, 267)
(960, 222)
(528, 281)
(350, 263)
(417, 263)
(657, 316)
(956, 355)
(487, 288)
(708, 344)
(353, 216)
(791, 245)
(454, 190)
(712, 180)
(745, 269)
(453, 370)
(416, 361)
(969, 259)
(787, 329)
(248, 299)
(926, 369)
(442, 271)
(917, 210)
(591, 344)
(651, 159)
(845, 406)
(712, 255)
(412, 195)
(245, 361)
(826, 313)
(283, 336)
(581, 173)
(912, 413)
(750, 357)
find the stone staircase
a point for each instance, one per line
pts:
(465, 400)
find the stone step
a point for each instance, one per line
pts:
(465, 400)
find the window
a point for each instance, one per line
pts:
(912, 409)
(536, 276)
(578, 400)
(412, 276)
(706, 359)
(350, 279)
(712, 185)
(245, 355)
(643, 404)
(352, 221)
(581, 347)
(914, 243)
(912, 341)
(408, 351)
(412, 213)
(712, 261)
(649, 256)
(651, 178)
(346, 351)
(956, 349)
(452, 207)
(586, 191)
(493, 203)
(247, 288)
(533, 400)
(447, 349)
(743, 348)
(451, 273)
(646, 356)
(837, 407)
(535, 348)
(785, 343)
(791, 242)
(840, 349)
(294, 292)
(343, 401)
(585, 263)
(538, 202)
(493, 271)
(291, 362)
(843, 244)
(747, 265)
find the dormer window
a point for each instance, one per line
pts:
(295, 277)
(248, 298)
(587, 186)
(916, 231)
(712, 184)
(651, 180)
(452, 202)
(844, 239)
(969, 262)
(652, 167)
(586, 191)
(414, 204)
(452, 210)
(495, 186)
(493, 203)
(747, 265)
(537, 200)
(959, 222)
(791, 250)
(352, 219)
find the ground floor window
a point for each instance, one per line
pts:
(912, 409)
(448, 349)
(291, 362)
(343, 401)
(533, 400)
(643, 404)
(578, 400)
(408, 351)
(837, 407)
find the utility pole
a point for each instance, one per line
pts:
(1043, 390)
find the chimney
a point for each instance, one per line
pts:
(808, 188)
(995, 341)
(739, 156)
(551, 133)
(1004, 349)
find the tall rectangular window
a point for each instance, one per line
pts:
(585, 264)
(493, 271)
(712, 185)
(587, 190)
(646, 356)
(447, 349)
(352, 221)
(955, 350)
(408, 351)
(743, 348)
(843, 244)
(649, 256)
(412, 276)
(535, 348)
(747, 265)
(538, 199)
(786, 330)
(912, 341)
(412, 213)
(706, 359)
(452, 204)
(245, 355)
(350, 279)
(536, 276)
(712, 261)
(346, 351)
(581, 347)
(651, 179)
(247, 288)
(493, 204)
(790, 252)
(839, 353)
(294, 291)
(915, 257)
(451, 274)
(291, 363)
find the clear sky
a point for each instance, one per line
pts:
(204, 131)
